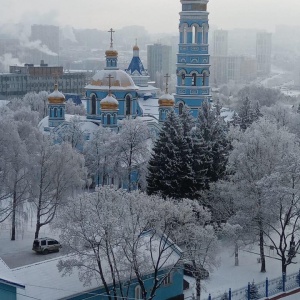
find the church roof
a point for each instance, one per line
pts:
(136, 65)
(120, 80)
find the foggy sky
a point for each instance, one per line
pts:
(154, 15)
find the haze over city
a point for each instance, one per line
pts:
(154, 15)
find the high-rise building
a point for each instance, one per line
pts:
(263, 52)
(193, 59)
(159, 62)
(220, 47)
(47, 34)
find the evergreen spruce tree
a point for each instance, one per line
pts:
(166, 158)
(186, 162)
(213, 130)
(246, 114)
(253, 291)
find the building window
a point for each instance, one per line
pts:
(138, 293)
(108, 120)
(128, 105)
(167, 280)
(184, 35)
(61, 112)
(194, 34)
(55, 112)
(93, 110)
(180, 108)
(115, 118)
(194, 79)
(182, 79)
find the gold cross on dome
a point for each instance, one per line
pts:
(109, 83)
(111, 37)
(167, 82)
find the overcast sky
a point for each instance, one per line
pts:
(154, 15)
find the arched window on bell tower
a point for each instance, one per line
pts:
(184, 35)
(194, 34)
(93, 110)
(194, 79)
(183, 79)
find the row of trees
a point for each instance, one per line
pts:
(35, 173)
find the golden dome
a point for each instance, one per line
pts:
(166, 100)
(56, 97)
(136, 47)
(109, 103)
(111, 53)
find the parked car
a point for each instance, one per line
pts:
(45, 245)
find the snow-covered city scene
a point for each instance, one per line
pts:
(149, 150)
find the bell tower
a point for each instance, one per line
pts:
(193, 61)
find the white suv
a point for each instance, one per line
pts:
(45, 245)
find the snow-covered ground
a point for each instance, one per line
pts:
(18, 253)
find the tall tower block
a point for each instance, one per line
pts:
(193, 58)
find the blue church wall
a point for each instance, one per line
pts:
(120, 96)
(166, 291)
(8, 292)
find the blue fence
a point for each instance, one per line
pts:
(263, 289)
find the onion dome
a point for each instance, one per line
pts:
(136, 48)
(166, 100)
(111, 53)
(56, 97)
(109, 103)
(120, 81)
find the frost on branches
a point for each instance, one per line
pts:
(117, 237)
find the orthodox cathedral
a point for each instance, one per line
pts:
(114, 94)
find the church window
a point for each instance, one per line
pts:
(184, 35)
(204, 78)
(55, 112)
(194, 79)
(115, 118)
(194, 34)
(108, 120)
(128, 105)
(180, 108)
(182, 79)
(138, 293)
(93, 110)
(61, 112)
(204, 35)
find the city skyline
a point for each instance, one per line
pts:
(161, 16)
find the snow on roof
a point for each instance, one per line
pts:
(120, 80)
(7, 276)
(227, 114)
(44, 279)
(149, 106)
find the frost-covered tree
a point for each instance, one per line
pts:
(214, 132)
(257, 153)
(72, 132)
(99, 155)
(165, 160)
(132, 150)
(115, 236)
(57, 170)
(13, 172)
(73, 109)
(254, 295)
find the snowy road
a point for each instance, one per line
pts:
(18, 253)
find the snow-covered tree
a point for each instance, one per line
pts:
(214, 132)
(73, 109)
(56, 171)
(72, 132)
(116, 235)
(254, 291)
(164, 163)
(256, 154)
(132, 150)
(99, 155)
